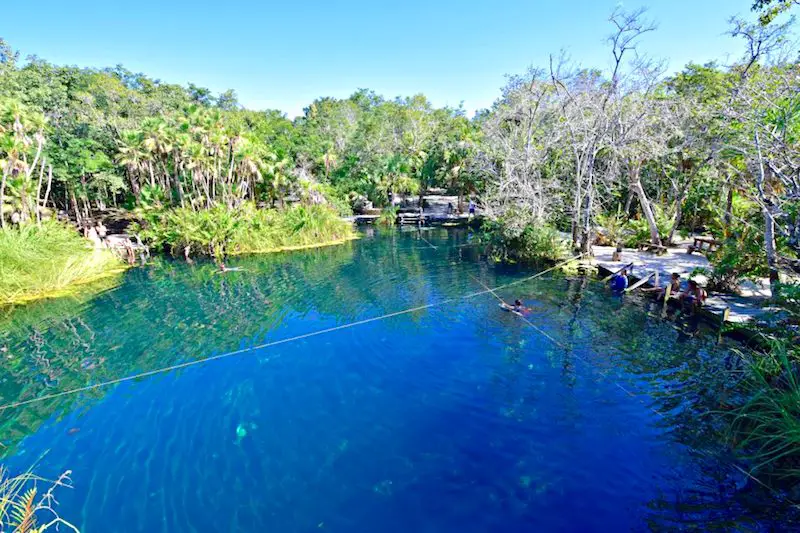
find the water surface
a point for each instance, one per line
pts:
(458, 417)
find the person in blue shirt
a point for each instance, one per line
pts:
(620, 281)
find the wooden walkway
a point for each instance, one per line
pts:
(740, 308)
(428, 219)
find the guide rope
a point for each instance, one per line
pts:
(428, 242)
(531, 324)
(270, 344)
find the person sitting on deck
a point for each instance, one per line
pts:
(694, 295)
(620, 281)
(674, 284)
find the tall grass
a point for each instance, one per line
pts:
(24, 510)
(766, 427)
(37, 262)
(222, 231)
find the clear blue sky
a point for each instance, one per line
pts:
(283, 54)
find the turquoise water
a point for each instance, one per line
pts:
(458, 417)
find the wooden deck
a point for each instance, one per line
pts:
(740, 308)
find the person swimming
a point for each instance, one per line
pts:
(223, 268)
(517, 308)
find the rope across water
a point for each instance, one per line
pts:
(217, 357)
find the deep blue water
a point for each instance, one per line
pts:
(457, 418)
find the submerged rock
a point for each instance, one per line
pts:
(241, 433)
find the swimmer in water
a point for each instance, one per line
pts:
(223, 268)
(517, 308)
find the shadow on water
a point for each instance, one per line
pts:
(459, 416)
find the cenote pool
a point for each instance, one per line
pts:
(457, 417)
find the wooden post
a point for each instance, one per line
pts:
(667, 294)
(725, 314)
(656, 280)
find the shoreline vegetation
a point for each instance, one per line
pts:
(221, 231)
(25, 508)
(67, 264)
(51, 260)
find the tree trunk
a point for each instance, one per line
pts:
(684, 192)
(770, 248)
(49, 184)
(769, 220)
(85, 197)
(38, 194)
(135, 188)
(576, 211)
(628, 202)
(636, 185)
(74, 202)
(728, 217)
(2, 200)
(586, 234)
(177, 179)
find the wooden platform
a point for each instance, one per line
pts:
(740, 309)
(428, 219)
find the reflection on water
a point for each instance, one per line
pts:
(458, 417)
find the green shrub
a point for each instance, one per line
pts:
(222, 231)
(638, 230)
(613, 228)
(37, 262)
(388, 217)
(512, 239)
(338, 201)
(741, 256)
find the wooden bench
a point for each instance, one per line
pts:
(703, 244)
(650, 247)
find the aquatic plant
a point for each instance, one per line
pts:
(766, 428)
(23, 509)
(222, 231)
(41, 261)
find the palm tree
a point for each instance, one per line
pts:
(132, 155)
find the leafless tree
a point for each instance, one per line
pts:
(519, 138)
(593, 108)
(766, 104)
